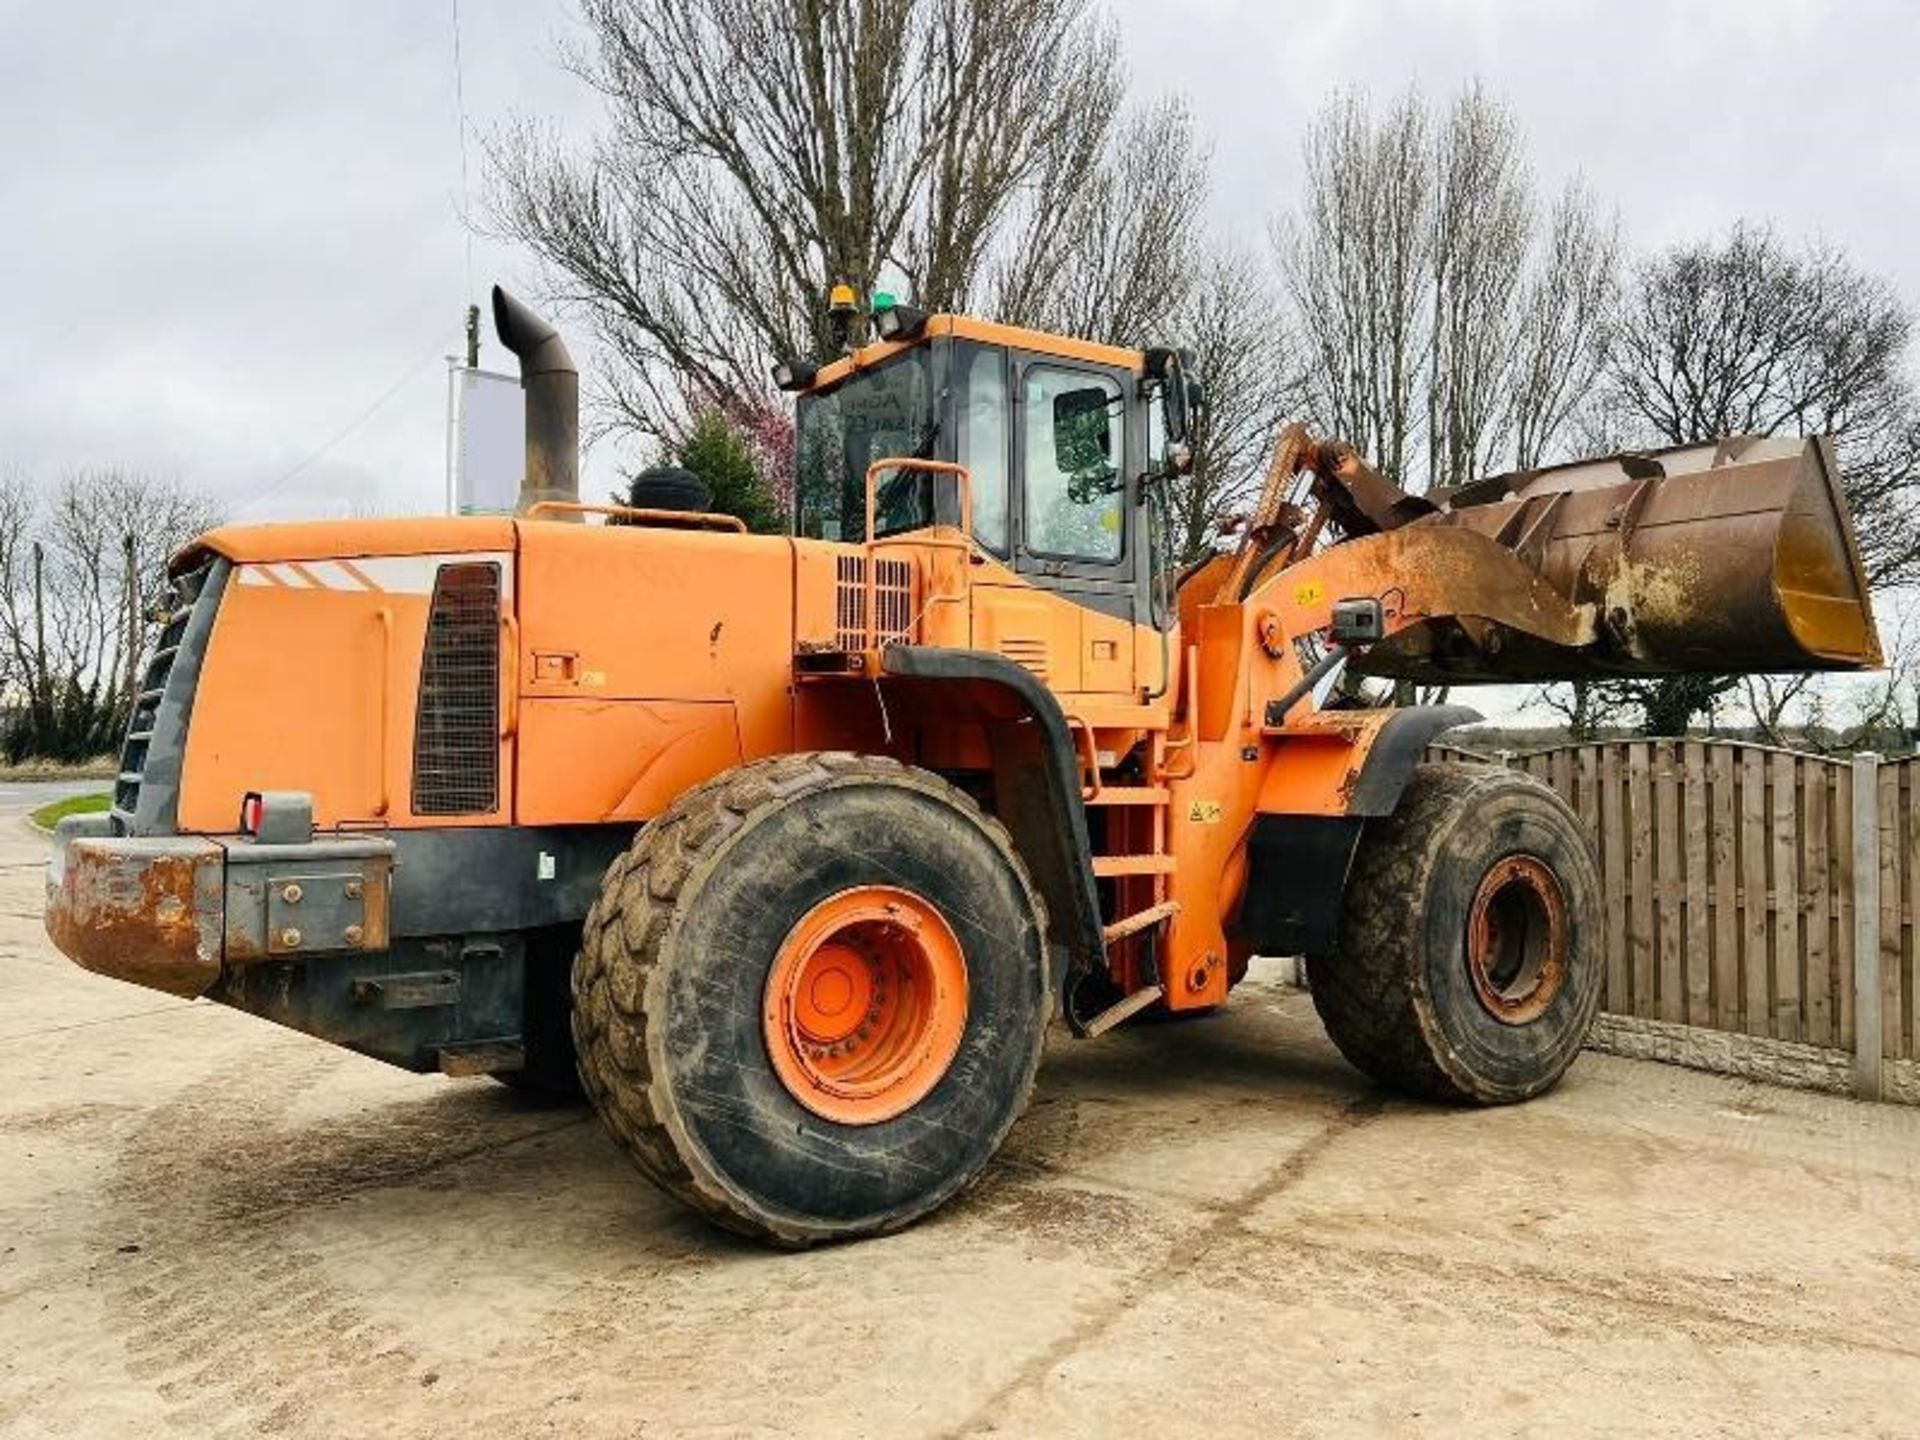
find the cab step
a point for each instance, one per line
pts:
(1130, 795)
(1107, 867)
(1140, 920)
(1125, 1009)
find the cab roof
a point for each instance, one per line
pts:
(987, 332)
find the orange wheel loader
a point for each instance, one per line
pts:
(790, 848)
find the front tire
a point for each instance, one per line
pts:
(811, 997)
(1468, 963)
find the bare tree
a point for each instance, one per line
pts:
(1354, 257)
(1451, 329)
(1771, 698)
(1585, 707)
(1748, 335)
(1565, 326)
(1250, 366)
(82, 573)
(1482, 223)
(1115, 256)
(759, 153)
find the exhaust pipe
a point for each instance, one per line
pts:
(552, 387)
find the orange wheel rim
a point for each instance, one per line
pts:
(1517, 940)
(866, 1004)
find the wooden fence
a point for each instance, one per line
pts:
(1746, 893)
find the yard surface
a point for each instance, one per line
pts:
(211, 1226)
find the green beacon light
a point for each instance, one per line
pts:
(883, 301)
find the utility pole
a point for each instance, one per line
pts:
(133, 624)
(473, 337)
(42, 692)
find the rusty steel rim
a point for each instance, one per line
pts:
(865, 1004)
(1517, 940)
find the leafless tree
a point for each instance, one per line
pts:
(1354, 256)
(1749, 335)
(1450, 329)
(1585, 708)
(1116, 255)
(758, 153)
(1482, 223)
(82, 573)
(1565, 327)
(1771, 699)
(1250, 365)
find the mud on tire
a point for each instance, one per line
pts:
(671, 982)
(1468, 961)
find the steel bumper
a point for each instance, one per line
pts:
(168, 912)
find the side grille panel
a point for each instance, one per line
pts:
(456, 741)
(1030, 652)
(892, 602)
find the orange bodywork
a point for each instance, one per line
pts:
(639, 661)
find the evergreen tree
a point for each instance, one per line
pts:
(716, 451)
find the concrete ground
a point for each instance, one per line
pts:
(211, 1226)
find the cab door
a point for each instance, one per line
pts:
(1072, 515)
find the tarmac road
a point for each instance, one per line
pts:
(28, 795)
(210, 1226)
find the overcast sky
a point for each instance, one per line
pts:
(231, 230)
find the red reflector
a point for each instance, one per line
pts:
(250, 807)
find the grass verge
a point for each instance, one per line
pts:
(49, 815)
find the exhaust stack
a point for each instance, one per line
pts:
(552, 386)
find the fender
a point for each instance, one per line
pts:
(1398, 749)
(1027, 733)
(1297, 864)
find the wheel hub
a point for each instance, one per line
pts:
(1517, 940)
(865, 1004)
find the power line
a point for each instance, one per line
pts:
(460, 104)
(438, 352)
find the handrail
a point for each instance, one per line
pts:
(510, 712)
(1190, 701)
(385, 616)
(964, 483)
(1089, 792)
(934, 467)
(691, 519)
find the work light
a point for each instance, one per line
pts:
(899, 322)
(794, 374)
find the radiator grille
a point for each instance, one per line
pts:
(892, 602)
(456, 737)
(143, 724)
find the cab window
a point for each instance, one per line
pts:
(1074, 486)
(980, 373)
(885, 412)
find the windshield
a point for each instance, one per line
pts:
(883, 413)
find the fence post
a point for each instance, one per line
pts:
(1866, 926)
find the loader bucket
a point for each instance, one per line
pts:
(1734, 556)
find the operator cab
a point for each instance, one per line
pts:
(1061, 439)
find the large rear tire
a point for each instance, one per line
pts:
(811, 997)
(1468, 961)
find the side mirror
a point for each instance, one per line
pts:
(1180, 395)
